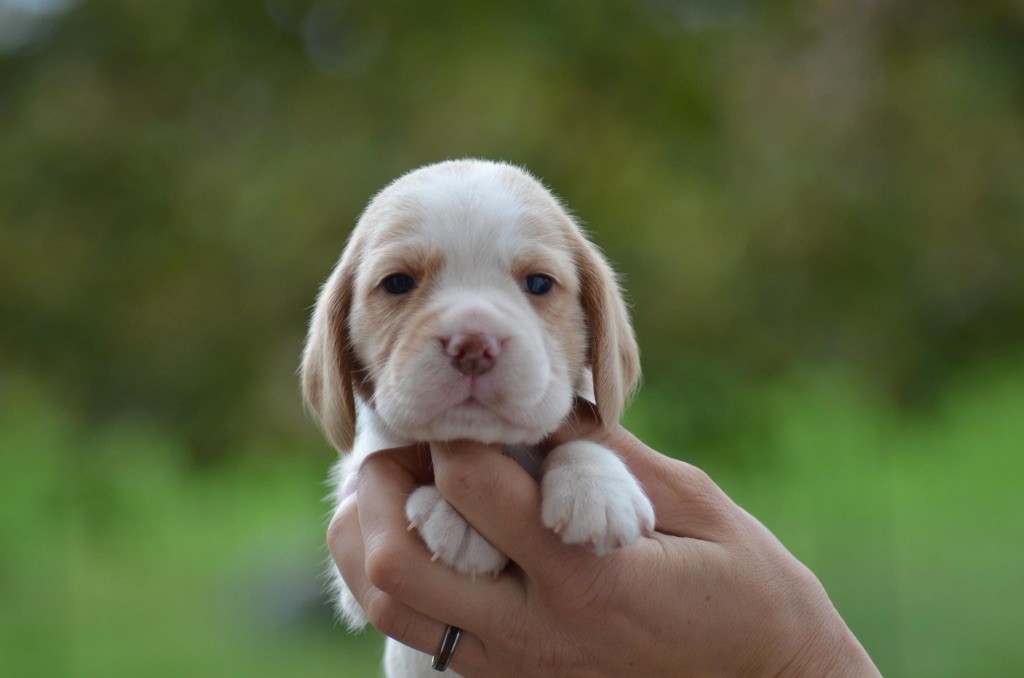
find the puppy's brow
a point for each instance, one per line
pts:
(416, 260)
(536, 259)
(547, 237)
(542, 259)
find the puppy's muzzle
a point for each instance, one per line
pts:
(472, 353)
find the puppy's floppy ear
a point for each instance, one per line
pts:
(327, 359)
(613, 354)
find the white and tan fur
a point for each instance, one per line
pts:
(376, 374)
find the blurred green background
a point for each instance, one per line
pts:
(817, 208)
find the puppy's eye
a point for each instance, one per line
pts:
(399, 283)
(538, 283)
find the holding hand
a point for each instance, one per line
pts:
(711, 591)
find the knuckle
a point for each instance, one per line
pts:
(696, 489)
(386, 569)
(374, 464)
(340, 528)
(385, 614)
(696, 483)
(696, 477)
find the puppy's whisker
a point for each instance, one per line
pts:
(372, 367)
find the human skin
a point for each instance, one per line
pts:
(710, 592)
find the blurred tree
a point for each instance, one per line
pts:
(797, 183)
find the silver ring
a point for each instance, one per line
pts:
(447, 649)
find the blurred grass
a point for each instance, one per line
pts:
(118, 563)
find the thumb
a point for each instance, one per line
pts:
(687, 503)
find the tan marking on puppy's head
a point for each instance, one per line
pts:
(327, 362)
(469, 233)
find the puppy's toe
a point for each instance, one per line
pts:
(590, 498)
(449, 537)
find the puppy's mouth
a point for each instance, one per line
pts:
(467, 414)
(474, 403)
(471, 393)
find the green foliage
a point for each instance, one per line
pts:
(802, 183)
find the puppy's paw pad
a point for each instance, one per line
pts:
(449, 537)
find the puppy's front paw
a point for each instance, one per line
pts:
(590, 497)
(449, 537)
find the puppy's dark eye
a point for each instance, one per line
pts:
(538, 283)
(399, 283)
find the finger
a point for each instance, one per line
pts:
(413, 459)
(398, 562)
(687, 503)
(386, 613)
(503, 502)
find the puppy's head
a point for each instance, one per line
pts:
(467, 305)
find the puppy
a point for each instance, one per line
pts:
(468, 304)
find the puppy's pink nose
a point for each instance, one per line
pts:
(472, 353)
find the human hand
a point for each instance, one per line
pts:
(711, 592)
